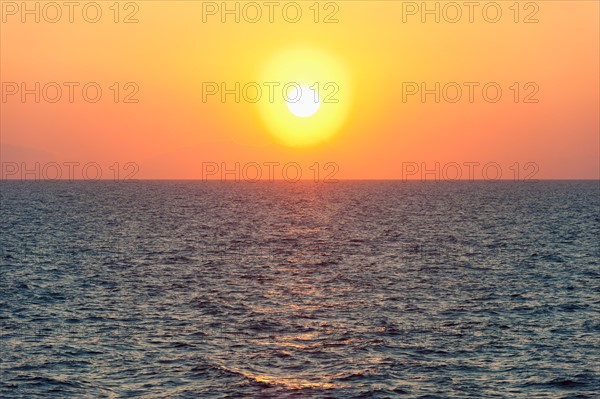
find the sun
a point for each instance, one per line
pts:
(308, 97)
(303, 101)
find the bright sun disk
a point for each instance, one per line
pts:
(303, 101)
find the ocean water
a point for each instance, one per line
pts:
(175, 289)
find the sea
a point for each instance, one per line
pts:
(354, 289)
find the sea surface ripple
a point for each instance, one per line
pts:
(184, 289)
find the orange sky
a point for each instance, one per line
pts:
(380, 47)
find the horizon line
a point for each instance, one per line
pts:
(301, 180)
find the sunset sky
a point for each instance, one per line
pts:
(373, 54)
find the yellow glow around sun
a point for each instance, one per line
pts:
(311, 96)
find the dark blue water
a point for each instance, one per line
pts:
(280, 290)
